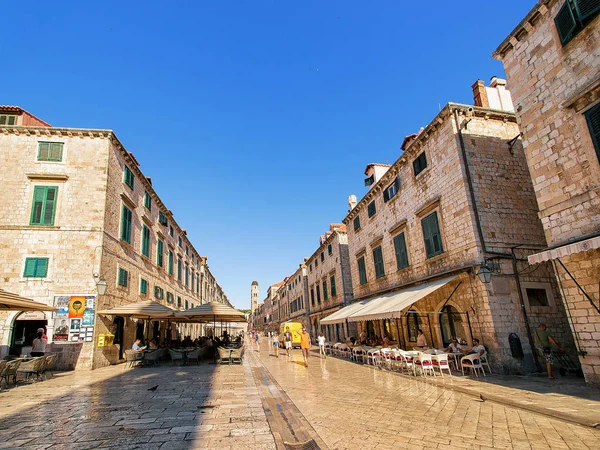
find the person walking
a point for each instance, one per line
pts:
(544, 342)
(257, 340)
(287, 338)
(321, 341)
(276, 345)
(305, 344)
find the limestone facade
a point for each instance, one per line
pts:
(458, 198)
(83, 240)
(553, 72)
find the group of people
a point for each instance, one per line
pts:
(187, 342)
(287, 338)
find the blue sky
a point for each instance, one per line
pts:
(255, 119)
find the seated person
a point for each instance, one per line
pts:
(477, 349)
(454, 347)
(363, 338)
(137, 347)
(153, 345)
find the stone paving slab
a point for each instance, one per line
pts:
(206, 406)
(353, 407)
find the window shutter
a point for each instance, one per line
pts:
(565, 23)
(593, 120)
(41, 269)
(44, 151)
(29, 268)
(386, 195)
(586, 8)
(49, 206)
(39, 194)
(427, 236)
(397, 184)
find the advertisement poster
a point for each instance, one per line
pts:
(74, 318)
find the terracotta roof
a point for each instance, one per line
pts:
(407, 140)
(376, 164)
(255, 283)
(20, 110)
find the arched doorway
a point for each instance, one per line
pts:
(451, 324)
(25, 327)
(412, 325)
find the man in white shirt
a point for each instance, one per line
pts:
(477, 348)
(454, 347)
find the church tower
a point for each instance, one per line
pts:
(254, 296)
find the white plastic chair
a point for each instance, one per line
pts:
(408, 362)
(373, 356)
(441, 362)
(425, 363)
(472, 362)
(483, 360)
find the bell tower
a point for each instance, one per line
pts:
(254, 296)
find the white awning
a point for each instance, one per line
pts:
(390, 306)
(341, 315)
(565, 250)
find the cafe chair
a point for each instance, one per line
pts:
(176, 356)
(472, 362)
(483, 360)
(49, 365)
(425, 363)
(34, 366)
(224, 355)
(10, 371)
(441, 362)
(195, 355)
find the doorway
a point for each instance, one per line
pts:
(451, 325)
(25, 327)
(119, 323)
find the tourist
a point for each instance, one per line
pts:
(304, 344)
(321, 340)
(287, 338)
(39, 344)
(421, 340)
(257, 340)
(363, 338)
(454, 347)
(544, 342)
(477, 349)
(136, 347)
(276, 344)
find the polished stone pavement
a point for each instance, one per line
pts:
(268, 401)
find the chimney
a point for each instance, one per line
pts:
(480, 95)
(351, 202)
(494, 96)
(374, 172)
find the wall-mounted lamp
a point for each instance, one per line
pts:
(484, 273)
(100, 284)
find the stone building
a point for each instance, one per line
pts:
(329, 282)
(456, 207)
(77, 213)
(294, 294)
(552, 62)
(253, 296)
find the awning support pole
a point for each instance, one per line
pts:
(585, 294)
(448, 299)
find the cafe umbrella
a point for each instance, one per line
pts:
(14, 302)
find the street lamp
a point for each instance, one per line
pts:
(484, 274)
(100, 284)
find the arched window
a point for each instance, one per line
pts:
(451, 324)
(412, 324)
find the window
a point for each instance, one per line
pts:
(35, 268)
(420, 163)
(187, 305)
(44, 205)
(371, 209)
(145, 241)
(158, 293)
(170, 297)
(432, 235)
(147, 201)
(537, 297)
(179, 269)
(325, 293)
(400, 250)
(362, 270)
(123, 277)
(378, 262)
(187, 250)
(180, 241)
(391, 191)
(316, 263)
(143, 286)
(187, 275)
(162, 218)
(171, 231)
(369, 181)
(178, 301)
(128, 177)
(357, 223)
(330, 250)
(8, 119)
(170, 262)
(310, 268)
(50, 151)
(312, 296)
(322, 256)
(159, 252)
(332, 284)
(593, 120)
(574, 17)
(126, 224)
(318, 288)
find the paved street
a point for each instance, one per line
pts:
(266, 402)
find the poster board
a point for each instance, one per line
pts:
(74, 320)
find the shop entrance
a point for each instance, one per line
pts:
(25, 327)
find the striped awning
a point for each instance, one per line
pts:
(148, 309)
(565, 250)
(211, 312)
(14, 302)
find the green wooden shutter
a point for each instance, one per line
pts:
(565, 23)
(325, 293)
(593, 120)
(41, 268)
(43, 151)
(145, 241)
(50, 205)
(362, 272)
(333, 286)
(400, 250)
(586, 8)
(386, 195)
(378, 262)
(39, 195)
(29, 270)
(159, 253)
(126, 224)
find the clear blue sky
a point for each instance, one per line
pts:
(255, 119)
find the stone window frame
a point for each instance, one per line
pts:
(429, 208)
(547, 286)
(63, 153)
(424, 169)
(118, 276)
(36, 256)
